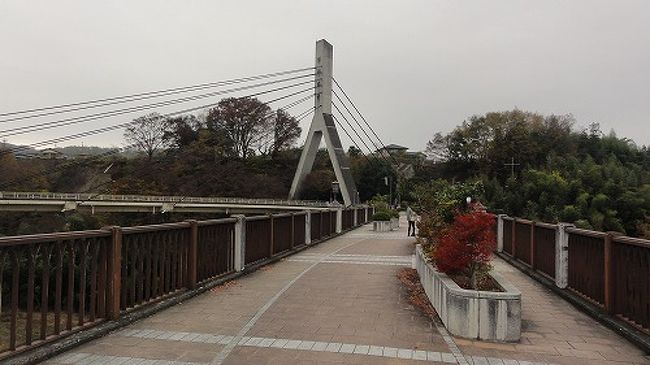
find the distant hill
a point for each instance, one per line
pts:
(22, 151)
(19, 150)
(75, 151)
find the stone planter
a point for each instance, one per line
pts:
(473, 314)
(394, 223)
(381, 226)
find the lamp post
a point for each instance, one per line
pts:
(335, 192)
(390, 191)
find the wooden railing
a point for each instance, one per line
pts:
(53, 285)
(606, 268)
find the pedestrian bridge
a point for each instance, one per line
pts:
(313, 288)
(99, 203)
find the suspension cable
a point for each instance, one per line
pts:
(122, 125)
(125, 148)
(150, 94)
(364, 119)
(76, 120)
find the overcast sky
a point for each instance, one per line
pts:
(413, 67)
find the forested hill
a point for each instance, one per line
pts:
(561, 172)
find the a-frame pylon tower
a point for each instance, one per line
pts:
(323, 126)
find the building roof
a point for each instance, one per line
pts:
(393, 146)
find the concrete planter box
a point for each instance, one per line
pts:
(381, 226)
(394, 223)
(472, 314)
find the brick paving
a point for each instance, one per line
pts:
(554, 331)
(340, 302)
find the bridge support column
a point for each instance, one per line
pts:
(308, 227)
(562, 255)
(240, 242)
(339, 220)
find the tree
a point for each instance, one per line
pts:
(148, 133)
(318, 185)
(354, 152)
(244, 121)
(438, 148)
(466, 246)
(181, 131)
(286, 132)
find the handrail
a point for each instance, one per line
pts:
(156, 198)
(155, 227)
(545, 225)
(586, 232)
(632, 241)
(48, 237)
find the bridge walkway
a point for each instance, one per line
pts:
(340, 302)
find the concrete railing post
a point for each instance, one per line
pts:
(308, 227)
(562, 255)
(240, 242)
(355, 218)
(366, 220)
(339, 220)
(500, 232)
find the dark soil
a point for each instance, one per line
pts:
(485, 282)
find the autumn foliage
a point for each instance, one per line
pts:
(466, 245)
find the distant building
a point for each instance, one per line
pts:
(23, 155)
(406, 161)
(50, 154)
(392, 149)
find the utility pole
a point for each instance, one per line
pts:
(512, 165)
(322, 126)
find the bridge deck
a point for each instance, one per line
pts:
(341, 303)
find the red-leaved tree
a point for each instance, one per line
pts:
(466, 245)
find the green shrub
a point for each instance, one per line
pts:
(381, 216)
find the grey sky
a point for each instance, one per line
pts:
(413, 67)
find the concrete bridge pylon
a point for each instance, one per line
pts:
(323, 127)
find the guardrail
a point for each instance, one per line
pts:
(54, 285)
(157, 199)
(608, 269)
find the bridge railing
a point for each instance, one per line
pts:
(54, 285)
(607, 269)
(86, 197)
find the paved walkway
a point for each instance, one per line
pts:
(340, 302)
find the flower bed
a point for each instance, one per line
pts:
(381, 226)
(458, 240)
(474, 314)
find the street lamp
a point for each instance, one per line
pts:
(390, 191)
(335, 192)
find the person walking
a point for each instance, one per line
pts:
(410, 217)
